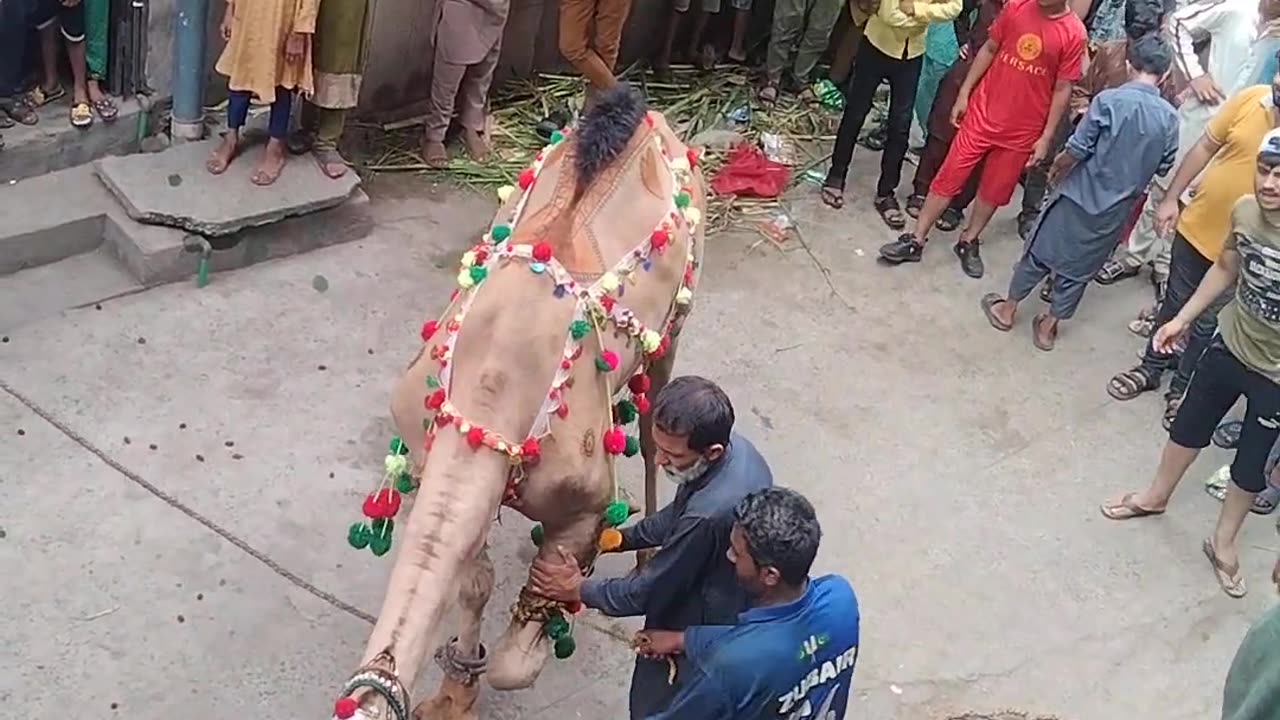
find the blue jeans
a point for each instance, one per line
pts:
(238, 110)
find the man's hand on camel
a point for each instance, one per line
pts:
(556, 576)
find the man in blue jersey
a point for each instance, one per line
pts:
(792, 654)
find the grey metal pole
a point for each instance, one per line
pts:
(189, 49)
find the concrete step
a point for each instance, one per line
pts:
(53, 144)
(35, 294)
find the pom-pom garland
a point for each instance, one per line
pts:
(564, 647)
(616, 513)
(638, 384)
(607, 362)
(615, 440)
(428, 329)
(542, 252)
(345, 708)
(632, 446)
(610, 540)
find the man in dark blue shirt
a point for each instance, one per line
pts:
(792, 654)
(687, 582)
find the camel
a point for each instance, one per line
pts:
(565, 323)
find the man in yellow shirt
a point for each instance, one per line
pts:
(1227, 154)
(892, 49)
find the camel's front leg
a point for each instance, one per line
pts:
(659, 372)
(463, 658)
(522, 652)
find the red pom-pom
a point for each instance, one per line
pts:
(475, 437)
(606, 302)
(662, 347)
(530, 448)
(648, 119)
(610, 359)
(436, 399)
(481, 255)
(428, 329)
(525, 178)
(443, 419)
(658, 239)
(345, 708)
(615, 440)
(688, 276)
(693, 157)
(642, 403)
(562, 410)
(389, 500)
(574, 607)
(638, 384)
(452, 326)
(566, 364)
(371, 507)
(542, 252)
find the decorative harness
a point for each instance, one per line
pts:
(597, 305)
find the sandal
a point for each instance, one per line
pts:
(39, 97)
(331, 162)
(1037, 340)
(1132, 383)
(105, 108)
(81, 115)
(1115, 270)
(890, 212)
(1228, 576)
(914, 204)
(1171, 412)
(949, 220)
(1144, 325)
(435, 154)
(1046, 291)
(833, 197)
(989, 303)
(1227, 435)
(19, 109)
(768, 94)
(1127, 509)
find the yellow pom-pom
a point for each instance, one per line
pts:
(609, 282)
(684, 296)
(610, 540)
(650, 340)
(504, 193)
(465, 280)
(693, 215)
(396, 465)
(468, 258)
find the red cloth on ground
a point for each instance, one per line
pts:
(748, 172)
(1011, 103)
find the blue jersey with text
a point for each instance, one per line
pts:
(792, 661)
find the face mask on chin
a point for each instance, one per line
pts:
(689, 474)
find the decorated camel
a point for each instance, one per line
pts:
(564, 324)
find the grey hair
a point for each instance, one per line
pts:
(695, 408)
(781, 530)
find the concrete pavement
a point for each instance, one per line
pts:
(957, 472)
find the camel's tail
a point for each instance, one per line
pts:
(604, 132)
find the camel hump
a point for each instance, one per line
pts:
(604, 132)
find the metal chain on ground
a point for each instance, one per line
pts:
(186, 509)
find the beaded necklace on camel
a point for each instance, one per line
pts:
(597, 305)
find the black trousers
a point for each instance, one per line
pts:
(872, 68)
(15, 26)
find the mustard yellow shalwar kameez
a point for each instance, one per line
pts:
(254, 59)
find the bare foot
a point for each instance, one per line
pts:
(221, 158)
(477, 145)
(435, 154)
(273, 159)
(330, 162)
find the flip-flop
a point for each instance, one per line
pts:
(989, 302)
(1127, 509)
(39, 97)
(106, 109)
(1227, 435)
(1045, 345)
(832, 197)
(81, 115)
(1228, 577)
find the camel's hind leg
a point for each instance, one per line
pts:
(463, 659)
(659, 372)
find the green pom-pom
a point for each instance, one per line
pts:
(579, 329)
(432, 382)
(500, 232)
(564, 647)
(405, 484)
(398, 446)
(626, 411)
(478, 273)
(601, 365)
(380, 546)
(556, 627)
(682, 200)
(632, 447)
(556, 136)
(537, 535)
(382, 527)
(358, 535)
(616, 513)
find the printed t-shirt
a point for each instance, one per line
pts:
(783, 661)
(1250, 323)
(1239, 126)
(1011, 103)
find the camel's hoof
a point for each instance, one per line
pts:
(518, 658)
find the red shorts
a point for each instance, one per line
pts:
(1000, 172)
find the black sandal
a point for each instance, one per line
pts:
(833, 197)
(1046, 292)
(1170, 413)
(949, 220)
(1227, 435)
(890, 212)
(914, 204)
(1115, 270)
(1132, 383)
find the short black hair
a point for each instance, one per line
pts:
(1150, 54)
(781, 530)
(1143, 17)
(695, 408)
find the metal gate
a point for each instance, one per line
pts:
(127, 42)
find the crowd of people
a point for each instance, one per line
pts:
(78, 28)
